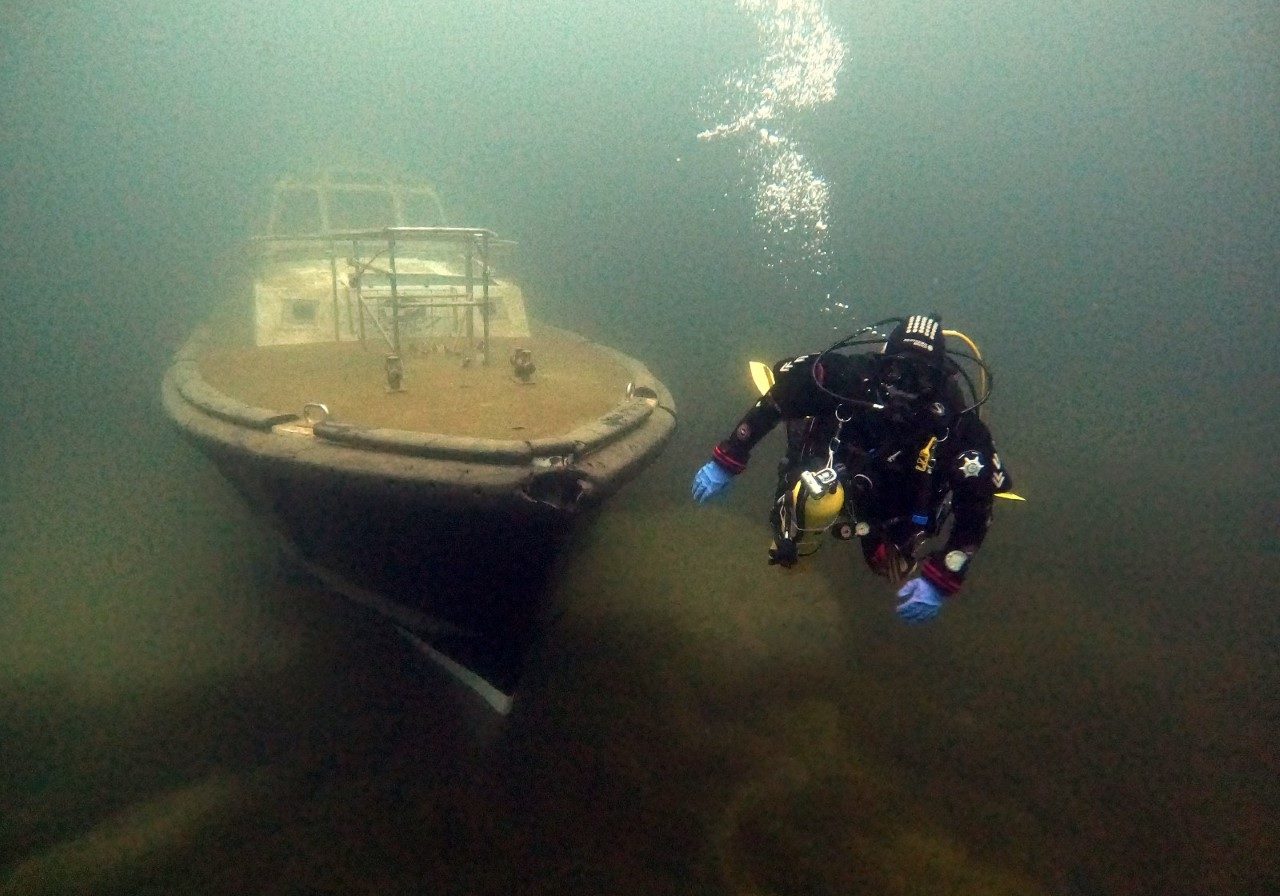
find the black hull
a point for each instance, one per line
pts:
(456, 542)
(470, 582)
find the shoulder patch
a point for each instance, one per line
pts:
(970, 464)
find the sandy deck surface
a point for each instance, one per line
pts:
(575, 382)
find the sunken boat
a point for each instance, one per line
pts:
(381, 395)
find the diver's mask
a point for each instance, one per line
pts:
(905, 382)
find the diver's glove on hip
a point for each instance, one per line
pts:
(923, 600)
(709, 481)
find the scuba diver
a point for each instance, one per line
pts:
(886, 445)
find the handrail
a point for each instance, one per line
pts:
(433, 233)
(472, 277)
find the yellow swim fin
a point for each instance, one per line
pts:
(762, 376)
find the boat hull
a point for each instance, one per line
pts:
(456, 539)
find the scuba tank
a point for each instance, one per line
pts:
(805, 511)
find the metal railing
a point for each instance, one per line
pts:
(397, 273)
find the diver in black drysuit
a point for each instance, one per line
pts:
(904, 444)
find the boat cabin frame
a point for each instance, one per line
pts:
(423, 282)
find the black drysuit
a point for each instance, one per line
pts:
(901, 464)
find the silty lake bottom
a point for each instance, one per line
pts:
(182, 712)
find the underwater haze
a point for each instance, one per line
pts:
(1091, 190)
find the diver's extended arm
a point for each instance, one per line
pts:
(795, 393)
(976, 473)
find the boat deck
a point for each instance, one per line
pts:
(576, 381)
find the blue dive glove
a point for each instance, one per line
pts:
(923, 600)
(710, 481)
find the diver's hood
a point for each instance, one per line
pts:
(920, 336)
(913, 367)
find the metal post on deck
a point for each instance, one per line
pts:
(333, 280)
(484, 285)
(471, 292)
(395, 296)
(355, 248)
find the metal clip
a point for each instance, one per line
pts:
(818, 482)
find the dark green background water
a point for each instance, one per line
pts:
(1089, 189)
